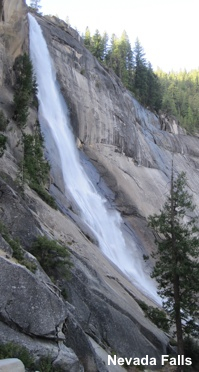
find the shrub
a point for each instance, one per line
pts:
(3, 140)
(53, 257)
(3, 121)
(25, 88)
(43, 194)
(64, 294)
(18, 253)
(157, 316)
(13, 350)
(191, 350)
(45, 365)
(35, 169)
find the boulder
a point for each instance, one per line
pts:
(59, 354)
(11, 365)
(27, 303)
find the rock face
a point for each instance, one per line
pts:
(60, 355)
(27, 304)
(14, 23)
(131, 146)
(132, 150)
(14, 35)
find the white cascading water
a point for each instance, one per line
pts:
(105, 224)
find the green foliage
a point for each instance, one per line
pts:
(130, 65)
(14, 244)
(181, 97)
(120, 58)
(25, 89)
(53, 257)
(3, 140)
(43, 194)
(17, 250)
(157, 316)
(175, 93)
(64, 294)
(3, 121)
(18, 253)
(35, 169)
(45, 365)
(145, 257)
(97, 44)
(191, 349)
(13, 350)
(154, 92)
(87, 38)
(177, 267)
(140, 73)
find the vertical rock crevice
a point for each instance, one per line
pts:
(1, 11)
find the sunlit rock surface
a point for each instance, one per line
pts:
(127, 143)
(131, 147)
(132, 150)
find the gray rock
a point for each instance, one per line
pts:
(28, 304)
(16, 214)
(66, 360)
(60, 355)
(80, 343)
(132, 149)
(106, 319)
(11, 365)
(5, 246)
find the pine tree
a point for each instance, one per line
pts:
(181, 96)
(140, 73)
(25, 88)
(154, 94)
(97, 46)
(87, 39)
(105, 39)
(177, 266)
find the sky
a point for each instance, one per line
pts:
(167, 29)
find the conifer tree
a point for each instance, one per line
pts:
(154, 94)
(25, 88)
(87, 38)
(140, 72)
(97, 46)
(177, 266)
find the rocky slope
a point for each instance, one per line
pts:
(132, 150)
(131, 147)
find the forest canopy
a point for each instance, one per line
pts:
(176, 93)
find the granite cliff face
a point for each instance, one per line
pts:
(131, 147)
(132, 150)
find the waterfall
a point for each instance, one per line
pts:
(103, 222)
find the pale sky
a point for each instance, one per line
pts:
(167, 29)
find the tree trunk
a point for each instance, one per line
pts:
(178, 320)
(176, 284)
